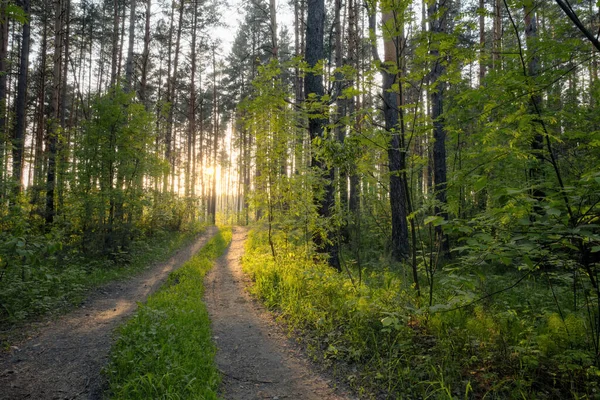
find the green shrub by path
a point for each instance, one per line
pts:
(378, 339)
(47, 278)
(165, 351)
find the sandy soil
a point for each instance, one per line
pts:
(63, 360)
(256, 359)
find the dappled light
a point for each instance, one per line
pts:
(420, 182)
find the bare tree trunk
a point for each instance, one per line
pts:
(20, 105)
(273, 15)
(145, 58)
(4, 33)
(482, 66)
(54, 113)
(535, 103)
(189, 178)
(115, 45)
(313, 85)
(353, 60)
(437, 21)
(129, 62)
(392, 110)
(41, 117)
(169, 154)
(497, 43)
(64, 142)
(213, 196)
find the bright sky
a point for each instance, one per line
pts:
(233, 14)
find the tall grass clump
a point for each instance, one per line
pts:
(376, 334)
(165, 351)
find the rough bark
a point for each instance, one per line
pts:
(314, 90)
(396, 153)
(20, 105)
(535, 102)
(53, 120)
(129, 62)
(145, 58)
(437, 20)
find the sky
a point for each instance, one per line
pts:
(233, 14)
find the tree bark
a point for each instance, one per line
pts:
(437, 22)
(535, 103)
(115, 45)
(129, 62)
(3, 87)
(314, 91)
(54, 113)
(392, 101)
(145, 58)
(20, 105)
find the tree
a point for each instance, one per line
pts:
(18, 148)
(394, 41)
(314, 91)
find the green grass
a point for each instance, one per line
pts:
(53, 283)
(382, 342)
(165, 351)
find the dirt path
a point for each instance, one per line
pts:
(64, 360)
(256, 360)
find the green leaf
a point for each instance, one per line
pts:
(434, 220)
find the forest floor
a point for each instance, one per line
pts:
(63, 358)
(255, 357)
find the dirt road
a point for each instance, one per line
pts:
(255, 358)
(65, 358)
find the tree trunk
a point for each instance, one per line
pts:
(273, 15)
(189, 178)
(313, 85)
(3, 88)
(497, 43)
(535, 104)
(115, 45)
(213, 196)
(129, 62)
(482, 66)
(54, 113)
(145, 58)
(392, 102)
(20, 105)
(437, 20)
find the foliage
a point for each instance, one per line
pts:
(46, 273)
(525, 342)
(166, 350)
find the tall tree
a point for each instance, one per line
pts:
(129, 62)
(314, 91)
(54, 112)
(393, 34)
(18, 148)
(3, 87)
(437, 13)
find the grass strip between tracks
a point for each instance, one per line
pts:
(165, 351)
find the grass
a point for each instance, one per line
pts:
(165, 351)
(379, 339)
(54, 282)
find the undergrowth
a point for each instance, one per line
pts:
(165, 351)
(44, 277)
(382, 339)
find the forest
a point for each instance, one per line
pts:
(421, 178)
